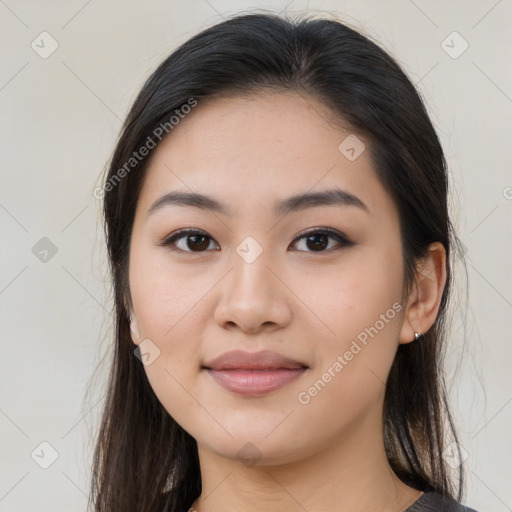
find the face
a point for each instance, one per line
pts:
(317, 282)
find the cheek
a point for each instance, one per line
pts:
(363, 311)
(168, 303)
(360, 312)
(353, 296)
(164, 294)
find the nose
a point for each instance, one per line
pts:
(254, 296)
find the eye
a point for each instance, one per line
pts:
(196, 241)
(317, 239)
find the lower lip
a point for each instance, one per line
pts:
(255, 382)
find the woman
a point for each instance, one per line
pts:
(280, 246)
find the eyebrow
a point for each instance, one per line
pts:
(335, 196)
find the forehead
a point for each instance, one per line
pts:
(247, 151)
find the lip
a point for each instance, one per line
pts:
(253, 373)
(255, 382)
(264, 360)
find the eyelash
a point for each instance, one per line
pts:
(342, 240)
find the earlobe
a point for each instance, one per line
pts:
(424, 300)
(134, 329)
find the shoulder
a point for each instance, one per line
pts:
(435, 502)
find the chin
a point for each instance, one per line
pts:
(257, 448)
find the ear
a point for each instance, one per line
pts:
(134, 329)
(134, 326)
(425, 297)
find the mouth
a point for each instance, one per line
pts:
(254, 373)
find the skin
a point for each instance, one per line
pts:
(248, 152)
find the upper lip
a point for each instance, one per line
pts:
(264, 360)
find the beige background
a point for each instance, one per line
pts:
(60, 117)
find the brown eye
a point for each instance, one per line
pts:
(194, 241)
(318, 240)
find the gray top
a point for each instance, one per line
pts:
(434, 502)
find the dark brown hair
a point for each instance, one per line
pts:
(143, 459)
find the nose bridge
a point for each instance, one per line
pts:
(252, 295)
(251, 276)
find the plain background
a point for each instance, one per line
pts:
(60, 117)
